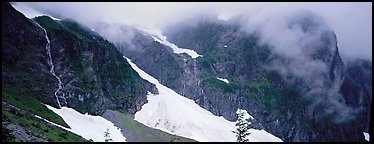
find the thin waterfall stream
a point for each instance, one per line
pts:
(52, 70)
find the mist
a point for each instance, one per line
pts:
(352, 22)
(279, 25)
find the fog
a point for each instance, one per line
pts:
(352, 22)
(278, 24)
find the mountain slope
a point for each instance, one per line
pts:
(176, 114)
(95, 78)
(296, 108)
(93, 74)
(312, 96)
(138, 132)
(291, 104)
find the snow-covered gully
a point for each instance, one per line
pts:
(173, 113)
(156, 34)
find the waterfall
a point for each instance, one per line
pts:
(52, 70)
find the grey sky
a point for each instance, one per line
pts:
(352, 22)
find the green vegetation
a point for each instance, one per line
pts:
(251, 49)
(64, 25)
(242, 60)
(213, 82)
(170, 65)
(206, 35)
(206, 68)
(33, 105)
(48, 23)
(242, 128)
(257, 86)
(39, 128)
(142, 133)
(86, 82)
(245, 50)
(91, 56)
(279, 99)
(272, 99)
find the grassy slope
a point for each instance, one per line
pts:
(31, 104)
(37, 127)
(142, 133)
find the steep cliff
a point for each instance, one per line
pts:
(94, 75)
(303, 98)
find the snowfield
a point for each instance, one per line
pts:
(175, 114)
(223, 79)
(88, 126)
(157, 36)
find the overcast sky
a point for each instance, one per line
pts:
(352, 22)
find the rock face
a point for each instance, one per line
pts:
(312, 97)
(24, 59)
(357, 89)
(294, 106)
(94, 74)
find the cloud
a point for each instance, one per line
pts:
(306, 45)
(281, 25)
(352, 22)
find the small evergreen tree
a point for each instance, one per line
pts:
(107, 136)
(241, 128)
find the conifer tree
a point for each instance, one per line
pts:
(107, 136)
(241, 128)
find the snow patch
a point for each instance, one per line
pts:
(367, 136)
(88, 126)
(56, 19)
(223, 79)
(30, 12)
(26, 10)
(246, 114)
(168, 111)
(158, 37)
(262, 136)
(52, 123)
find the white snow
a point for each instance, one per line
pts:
(157, 36)
(223, 79)
(52, 122)
(30, 12)
(367, 136)
(26, 10)
(88, 126)
(175, 114)
(262, 136)
(56, 19)
(258, 135)
(246, 114)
